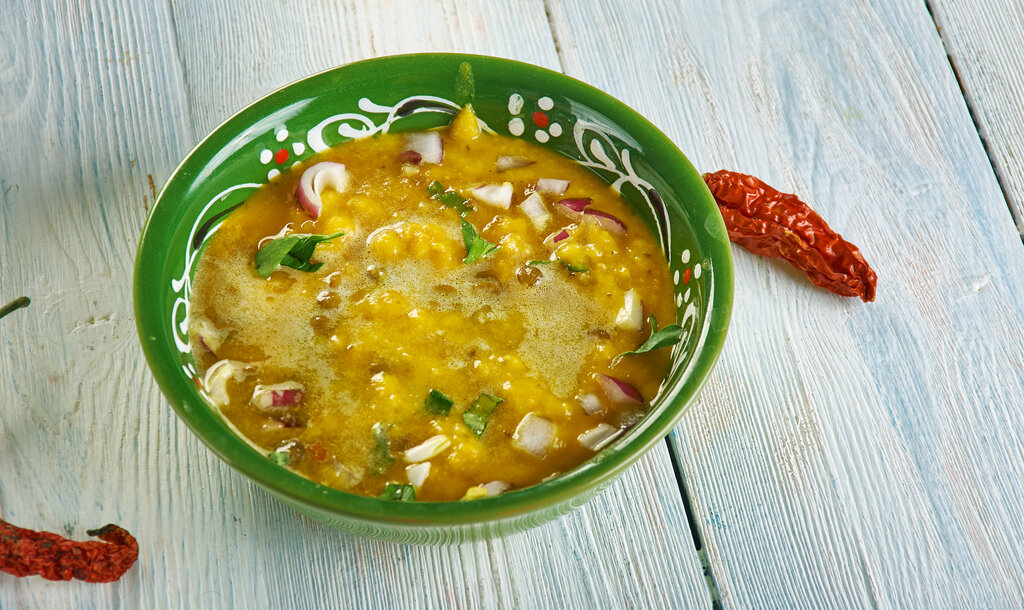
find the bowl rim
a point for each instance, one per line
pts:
(210, 427)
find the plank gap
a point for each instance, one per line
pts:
(698, 541)
(985, 144)
(554, 35)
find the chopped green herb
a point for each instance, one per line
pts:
(477, 415)
(535, 263)
(476, 247)
(465, 89)
(381, 458)
(670, 335)
(449, 198)
(281, 457)
(399, 493)
(437, 403)
(290, 251)
(574, 268)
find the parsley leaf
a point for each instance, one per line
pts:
(437, 403)
(398, 493)
(670, 335)
(449, 198)
(290, 251)
(476, 247)
(381, 458)
(477, 415)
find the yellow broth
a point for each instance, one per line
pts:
(394, 312)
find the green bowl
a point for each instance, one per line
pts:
(414, 92)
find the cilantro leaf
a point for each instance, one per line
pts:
(398, 493)
(477, 415)
(437, 403)
(281, 457)
(449, 198)
(670, 335)
(535, 263)
(476, 247)
(574, 267)
(381, 458)
(290, 251)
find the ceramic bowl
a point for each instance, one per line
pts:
(414, 92)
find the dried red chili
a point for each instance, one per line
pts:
(26, 552)
(779, 225)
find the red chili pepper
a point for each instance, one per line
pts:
(25, 552)
(779, 225)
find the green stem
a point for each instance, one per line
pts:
(14, 305)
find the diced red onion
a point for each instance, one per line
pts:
(631, 316)
(417, 473)
(534, 435)
(607, 221)
(428, 144)
(315, 180)
(561, 235)
(215, 382)
(552, 186)
(496, 488)
(428, 448)
(533, 207)
(495, 194)
(411, 157)
(210, 336)
(507, 162)
(591, 404)
(619, 391)
(277, 397)
(576, 206)
(597, 438)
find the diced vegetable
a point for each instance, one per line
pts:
(574, 267)
(619, 391)
(606, 220)
(478, 414)
(428, 144)
(418, 473)
(448, 197)
(507, 162)
(287, 453)
(411, 157)
(591, 404)
(631, 316)
(476, 247)
(291, 251)
(552, 186)
(496, 488)
(575, 206)
(279, 457)
(499, 195)
(381, 458)
(211, 336)
(534, 435)
(215, 382)
(475, 493)
(560, 236)
(538, 262)
(670, 335)
(277, 397)
(597, 438)
(533, 207)
(315, 180)
(428, 449)
(399, 493)
(437, 403)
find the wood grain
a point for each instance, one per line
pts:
(983, 42)
(99, 104)
(842, 454)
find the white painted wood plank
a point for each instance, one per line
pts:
(99, 99)
(983, 39)
(843, 454)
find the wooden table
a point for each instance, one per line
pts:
(840, 455)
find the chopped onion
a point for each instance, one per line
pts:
(591, 404)
(533, 207)
(534, 435)
(507, 162)
(427, 144)
(411, 157)
(215, 382)
(619, 391)
(575, 206)
(211, 336)
(417, 473)
(495, 194)
(278, 396)
(496, 488)
(284, 231)
(563, 234)
(552, 186)
(315, 180)
(631, 316)
(598, 437)
(607, 221)
(428, 448)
